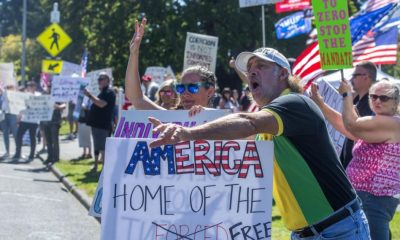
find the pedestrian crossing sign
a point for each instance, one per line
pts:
(54, 39)
(52, 66)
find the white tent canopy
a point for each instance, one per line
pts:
(334, 78)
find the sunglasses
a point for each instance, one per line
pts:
(166, 93)
(191, 87)
(382, 98)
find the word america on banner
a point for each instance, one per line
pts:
(192, 190)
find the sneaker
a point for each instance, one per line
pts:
(16, 157)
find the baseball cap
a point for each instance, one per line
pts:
(268, 54)
(146, 78)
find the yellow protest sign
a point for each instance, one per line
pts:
(54, 39)
(51, 66)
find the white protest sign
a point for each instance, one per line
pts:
(7, 74)
(200, 50)
(135, 124)
(334, 100)
(16, 101)
(157, 73)
(192, 190)
(65, 88)
(69, 68)
(251, 3)
(93, 86)
(38, 108)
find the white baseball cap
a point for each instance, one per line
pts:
(268, 54)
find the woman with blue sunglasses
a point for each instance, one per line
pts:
(196, 88)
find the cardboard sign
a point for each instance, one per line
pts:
(65, 89)
(192, 190)
(135, 124)
(334, 37)
(7, 74)
(38, 108)
(334, 100)
(291, 5)
(16, 101)
(200, 50)
(68, 69)
(93, 86)
(157, 73)
(252, 3)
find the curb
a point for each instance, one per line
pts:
(82, 197)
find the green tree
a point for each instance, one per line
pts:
(11, 50)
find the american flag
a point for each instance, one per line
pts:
(377, 47)
(373, 5)
(308, 67)
(84, 63)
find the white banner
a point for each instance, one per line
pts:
(16, 101)
(200, 50)
(334, 100)
(135, 124)
(192, 190)
(65, 89)
(157, 73)
(252, 3)
(38, 108)
(7, 74)
(94, 84)
(69, 68)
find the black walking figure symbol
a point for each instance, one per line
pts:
(55, 36)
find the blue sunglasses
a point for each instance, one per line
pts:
(191, 87)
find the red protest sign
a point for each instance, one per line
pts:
(291, 5)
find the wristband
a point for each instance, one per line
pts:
(344, 94)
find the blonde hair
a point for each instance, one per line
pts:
(392, 89)
(168, 83)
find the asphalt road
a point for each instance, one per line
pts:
(35, 205)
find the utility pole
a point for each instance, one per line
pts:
(23, 57)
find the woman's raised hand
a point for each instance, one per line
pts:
(137, 37)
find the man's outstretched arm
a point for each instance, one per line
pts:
(233, 126)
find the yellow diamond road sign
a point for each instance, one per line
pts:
(52, 66)
(54, 39)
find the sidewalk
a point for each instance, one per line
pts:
(36, 205)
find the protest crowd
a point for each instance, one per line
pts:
(323, 192)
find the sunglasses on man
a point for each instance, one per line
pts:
(382, 98)
(191, 87)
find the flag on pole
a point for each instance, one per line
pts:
(373, 5)
(377, 47)
(84, 63)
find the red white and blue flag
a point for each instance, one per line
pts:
(373, 5)
(377, 47)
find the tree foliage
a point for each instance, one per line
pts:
(106, 27)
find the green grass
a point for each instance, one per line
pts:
(78, 172)
(64, 130)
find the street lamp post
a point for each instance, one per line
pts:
(23, 57)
